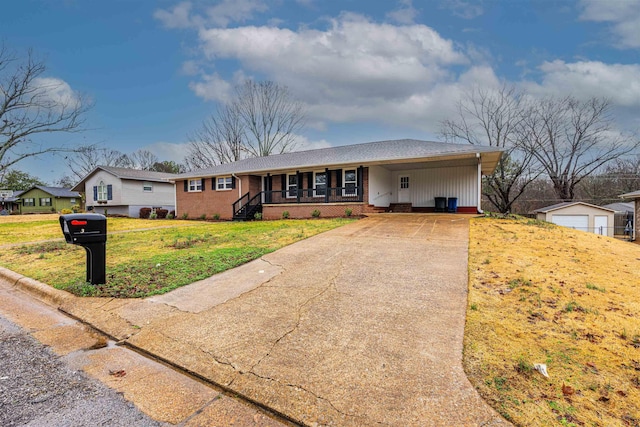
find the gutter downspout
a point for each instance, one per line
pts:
(239, 184)
(479, 207)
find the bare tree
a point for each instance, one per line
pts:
(263, 119)
(143, 160)
(86, 158)
(572, 139)
(221, 139)
(31, 106)
(494, 118)
(271, 117)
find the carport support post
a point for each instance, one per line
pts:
(96, 263)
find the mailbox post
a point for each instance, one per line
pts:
(90, 232)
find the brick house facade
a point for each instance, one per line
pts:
(361, 178)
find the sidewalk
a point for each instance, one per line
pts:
(359, 326)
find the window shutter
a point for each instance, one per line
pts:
(109, 192)
(95, 193)
(186, 185)
(213, 183)
(233, 182)
(283, 181)
(339, 178)
(328, 172)
(309, 179)
(202, 184)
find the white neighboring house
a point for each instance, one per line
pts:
(579, 216)
(124, 191)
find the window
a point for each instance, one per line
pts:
(292, 186)
(102, 192)
(29, 202)
(195, 184)
(320, 184)
(350, 182)
(224, 183)
(45, 201)
(72, 201)
(404, 182)
(147, 187)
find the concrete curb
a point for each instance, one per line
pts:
(41, 291)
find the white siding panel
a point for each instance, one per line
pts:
(380, 186)
(162, 194)
(457, 181)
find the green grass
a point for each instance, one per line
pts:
(148, 262)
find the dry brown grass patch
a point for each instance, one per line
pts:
(569, 299)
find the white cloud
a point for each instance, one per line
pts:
(228, 11)
(623, 15)
(618, 82)
(405, 14)
(178, 17)
(168, 151)
(56, 91)
(212, 88)
(463, 9)
(220, 15)
(303, 143)
(353, 70)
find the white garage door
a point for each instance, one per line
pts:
(579, 222)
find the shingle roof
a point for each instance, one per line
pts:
(565, 204)
(136, 174)
(367, 153)
(632, 195)
(54, 191)
(126, 173)
(620, 207)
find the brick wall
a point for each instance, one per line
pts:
(208, 201)
(303, 210)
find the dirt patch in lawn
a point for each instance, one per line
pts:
(570, 300)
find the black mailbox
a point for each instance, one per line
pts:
(84, 228)
(90, 232)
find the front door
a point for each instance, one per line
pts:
(404, 192)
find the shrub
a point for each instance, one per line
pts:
(203, 217)
(153, 215)
(257, 216)
(170, 216)
(172, 213)
(348, 212)
(162, 213)
(285, 214)
(145, 213)
(75, 208)
(185, 215)
(315, 213)
(216, 216)
(66, 211)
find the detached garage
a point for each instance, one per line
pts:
(580, 216)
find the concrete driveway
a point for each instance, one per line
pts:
(359, 326)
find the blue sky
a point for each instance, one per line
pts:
(366, 70)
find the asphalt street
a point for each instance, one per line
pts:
(39, 388)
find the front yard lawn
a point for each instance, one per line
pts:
(149, 261)
(543, 294)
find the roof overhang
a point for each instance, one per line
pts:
(488, 161)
